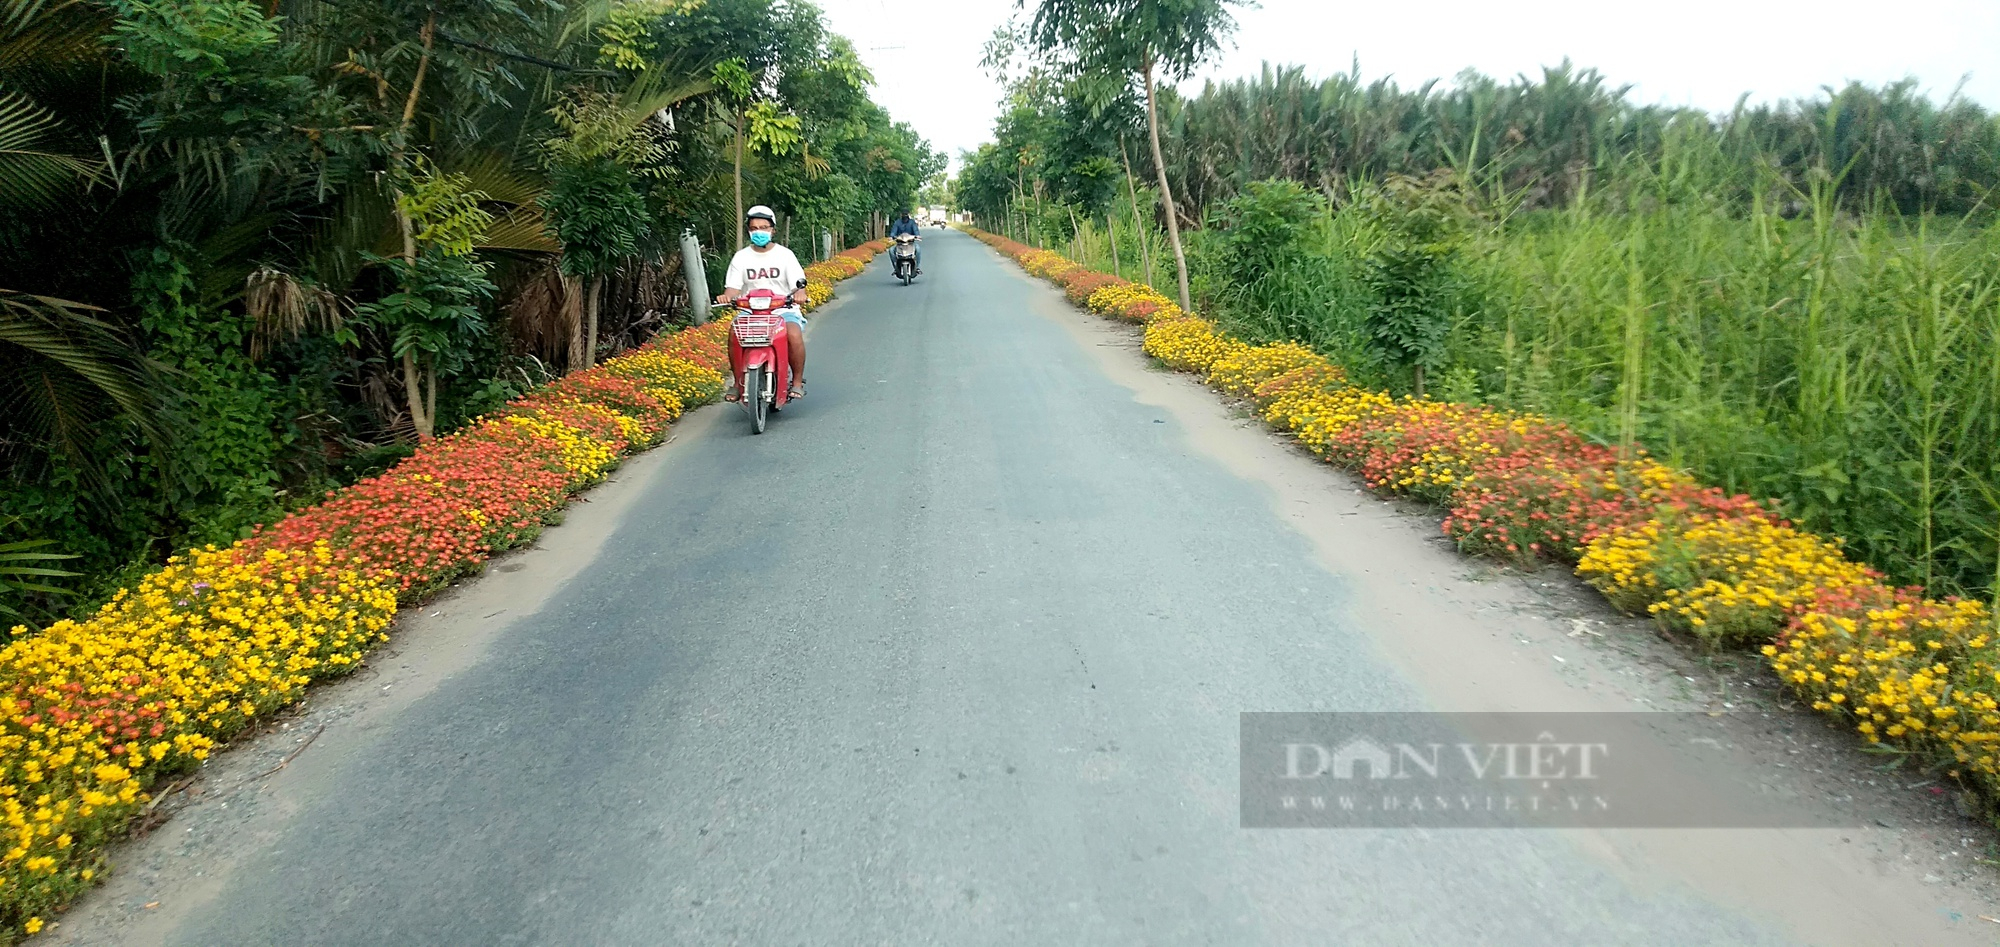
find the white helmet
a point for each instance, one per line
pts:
(760, 211)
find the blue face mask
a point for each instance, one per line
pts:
(761, 238)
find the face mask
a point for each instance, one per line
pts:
(761, 238)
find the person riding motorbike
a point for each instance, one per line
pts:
(767, 265)
(904, 225)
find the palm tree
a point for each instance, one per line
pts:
(64, 372)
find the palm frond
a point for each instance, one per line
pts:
(578, 20)
(361, 222)
(67, 375)
(282, 307)
(523, 228)
(21, 569)
(495, 174)
(34, 176)
(665, 84)
(66, 333)
(41, 33)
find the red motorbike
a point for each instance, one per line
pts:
(757, 343)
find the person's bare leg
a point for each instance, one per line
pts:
(730, 387)
(796, 348)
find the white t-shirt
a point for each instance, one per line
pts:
(774, 268)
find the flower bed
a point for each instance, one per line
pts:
(1920, 674)
(99, 710)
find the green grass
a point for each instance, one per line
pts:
(1846, 366)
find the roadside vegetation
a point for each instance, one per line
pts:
(253, 251)
(1740, 372)
(1799, 301)
(103, 713)
(1918, 677)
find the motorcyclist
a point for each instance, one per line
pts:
(904, 225)
(768, 265)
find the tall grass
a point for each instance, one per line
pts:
(1847, 366)
(1798, 301)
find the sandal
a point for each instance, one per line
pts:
(731, 395)
(798, 389)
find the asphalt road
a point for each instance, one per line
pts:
(952, 655)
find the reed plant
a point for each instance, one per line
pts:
(1846, 365)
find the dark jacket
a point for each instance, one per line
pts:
(904, 225)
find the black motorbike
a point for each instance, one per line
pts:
(904, 256)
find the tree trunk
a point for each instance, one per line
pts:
(573, 320)
(413, 395)
(429, 34)
(1166, 191)
(739, 179)
(1111, 227)
(593, 303)
(422, 409)
(1132, 190)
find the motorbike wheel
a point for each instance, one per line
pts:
(753, 395)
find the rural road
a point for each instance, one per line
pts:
(953, 655)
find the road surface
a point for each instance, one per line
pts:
(953, 655)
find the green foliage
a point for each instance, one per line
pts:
(596, 214)
(25, 570)
(1265, 226)
(68, 373)
(1411, 274)
(196, 39)
(435, 309)
(1058, 139)
(593, 207)
(444, 211)
(1543, 140)
(1129, 36)
(733, 76)
(222, 473)
(770, 132)
(1846, 366)
(594, 126)
(222, 66)
(34, 171)
(627, 34)
(201, 218)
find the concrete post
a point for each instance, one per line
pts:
(697, 276)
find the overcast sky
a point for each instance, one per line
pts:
(925, 53)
